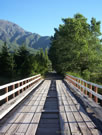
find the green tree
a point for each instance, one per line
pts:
(42, 61)
(76, 45)
(22, 58)
(6, 62)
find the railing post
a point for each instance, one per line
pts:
(75, 82)
(27, 82)
(6, 90)
(28, 85)
(13, 87)
(79, 83)
(82, 85)
(18, 92)
(30, 81)
(86, 87)
(22, 85)
(95, 98)
(90, 95)
(33, 79)
(72, 80)
(69, 79)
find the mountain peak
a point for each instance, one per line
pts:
(14, 34)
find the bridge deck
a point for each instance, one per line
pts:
(50, 110)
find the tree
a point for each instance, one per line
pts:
(6, 62)
(22, 58)
(75, 46)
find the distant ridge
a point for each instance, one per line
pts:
(15, 36)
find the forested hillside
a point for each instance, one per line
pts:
(15, 36)
(76, 48)
(22, 63)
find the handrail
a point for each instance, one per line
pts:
(94, 84)
(17, 87)
(6, 109)
(12, 83)
(85, 87)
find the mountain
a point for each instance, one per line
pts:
(16, 36)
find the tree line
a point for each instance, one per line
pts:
(22, 63)
(76, 48)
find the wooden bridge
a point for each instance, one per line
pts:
(51, 106)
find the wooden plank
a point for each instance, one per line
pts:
(36, 118)
(82, 114)
(30, 116)
(85, 117)
(65, 129)
(83, 127)
(72, 122)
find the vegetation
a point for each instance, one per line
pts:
(76, 48)
(22, 63)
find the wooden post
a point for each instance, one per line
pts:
(6, 91)
(79, 83)
(33, 79)
(30, 81)
(86, 87)
(72, 81)
(22, 85)
(29, 84)
(82, 85)
(69, 79)
(26, 83)
(26, 86)
(95, 98)
(75, 82)
(18, 92)
(90, 95)
(13, 87)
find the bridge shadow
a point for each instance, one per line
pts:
(49, 121)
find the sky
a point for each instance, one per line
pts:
(42, 16)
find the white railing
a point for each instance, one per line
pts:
(88, 88)
(15, 88)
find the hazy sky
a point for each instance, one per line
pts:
(42, 16)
